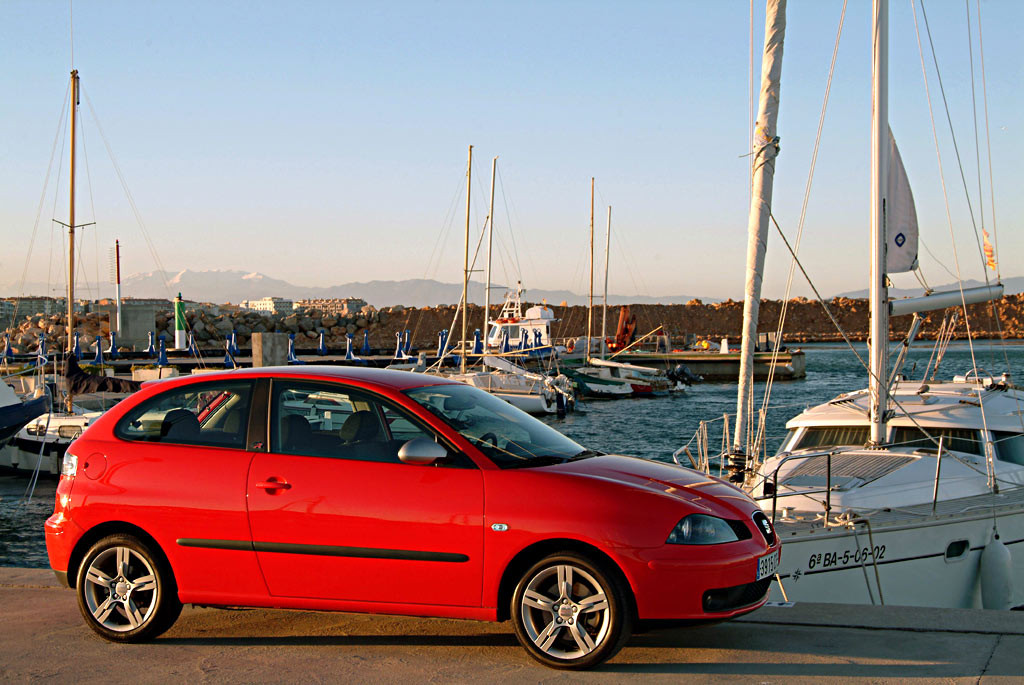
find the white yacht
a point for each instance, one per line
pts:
(907, 522)
(908, 493)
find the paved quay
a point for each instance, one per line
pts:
(43, 637)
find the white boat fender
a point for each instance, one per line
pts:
(996, 575)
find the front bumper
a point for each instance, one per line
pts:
(716, 582)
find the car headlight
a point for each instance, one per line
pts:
(701, 529)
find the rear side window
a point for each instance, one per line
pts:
(209, 414)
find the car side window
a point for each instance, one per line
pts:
(208, 414)
(318, 420)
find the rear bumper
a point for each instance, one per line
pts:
(61, 536)
(62, 577)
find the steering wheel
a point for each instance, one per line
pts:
(489, 437)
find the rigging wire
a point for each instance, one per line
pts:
(956, 148)
(39, 206)
(988, 145)
(511, 232)
(131, 200)
(769, 384)
(135, 209)
(949, 218)
(95, 233)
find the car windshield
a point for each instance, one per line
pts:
(510, 437)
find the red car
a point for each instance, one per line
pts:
(379, 491)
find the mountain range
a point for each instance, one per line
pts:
(1010, 286)
(221, 285)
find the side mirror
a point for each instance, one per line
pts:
(421, 451)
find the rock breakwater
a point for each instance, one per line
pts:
(806, 321)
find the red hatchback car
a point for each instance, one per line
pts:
(379, 491)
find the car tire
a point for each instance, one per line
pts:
(126, 591)
(549, 601)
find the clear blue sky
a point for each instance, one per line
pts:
(325, 142)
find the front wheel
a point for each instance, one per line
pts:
(126, 592)
(570, 612)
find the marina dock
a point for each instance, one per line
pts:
(43, 637)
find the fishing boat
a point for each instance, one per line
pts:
(499, 375)
(910, 491)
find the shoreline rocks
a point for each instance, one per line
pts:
(806, 322)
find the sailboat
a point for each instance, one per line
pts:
(532, 392)
(598, 377)
(39, 445)
(908, 492)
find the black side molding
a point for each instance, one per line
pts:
(325, 550)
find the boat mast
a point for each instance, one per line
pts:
(117, 292)
(465, 268)
(590, 301)
(71, 225)
(490, 242)
(766, 148)
(604, 313)
(879, 292)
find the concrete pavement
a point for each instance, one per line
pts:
(43, 637)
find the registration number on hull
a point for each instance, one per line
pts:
(768, 565)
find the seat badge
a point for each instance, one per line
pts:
(499, 527)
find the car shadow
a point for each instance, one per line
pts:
(728, 649)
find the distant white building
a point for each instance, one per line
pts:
(270, 305)
(347, 306)
(33, 305)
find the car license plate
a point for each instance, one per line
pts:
(768, 565)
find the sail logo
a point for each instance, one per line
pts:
(900, 239)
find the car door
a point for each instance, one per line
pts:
(336, 515)
(181, 476)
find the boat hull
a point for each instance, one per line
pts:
(716, 366)
(930, 561)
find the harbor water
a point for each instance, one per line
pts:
(652, 428)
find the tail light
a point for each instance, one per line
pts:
(69, 467)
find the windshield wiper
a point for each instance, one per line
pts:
(585, 454)
(542, 460)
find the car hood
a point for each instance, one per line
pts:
(697, 489)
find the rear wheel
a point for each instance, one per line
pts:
(570, 612)
(126, 592)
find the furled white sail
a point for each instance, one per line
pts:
(766, 147)
(900, 217)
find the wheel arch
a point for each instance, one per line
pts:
(530, 555)
(93, 535)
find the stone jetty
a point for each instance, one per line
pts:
(806, 322)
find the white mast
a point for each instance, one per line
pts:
(465, 268)
(766, 148)
(590, 304)
(879, 293)
(604, 313)
(490, 242)
(71, 216)
(117, 267)
(68, 406)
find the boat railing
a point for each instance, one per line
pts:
(827, 491)
(828, 482)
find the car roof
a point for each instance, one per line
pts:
(385, 378)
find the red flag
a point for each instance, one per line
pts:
(990, 254)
